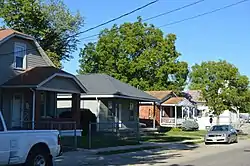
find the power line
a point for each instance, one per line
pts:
(174, 10)
(203, 14)
(186, 19)
(172, 23)
(156, 16)
(117, 18)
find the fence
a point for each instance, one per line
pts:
(67, 129)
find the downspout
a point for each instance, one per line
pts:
(33, 108)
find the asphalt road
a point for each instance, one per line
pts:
(237, 155)
(179, 155)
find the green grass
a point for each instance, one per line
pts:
(173, 136)
(98, 141)
(102, 140)
(127, 150)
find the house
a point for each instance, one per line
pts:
(170, 111)
(111, 101)
(29, 84)
(204, 114)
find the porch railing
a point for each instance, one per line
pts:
(167, 120)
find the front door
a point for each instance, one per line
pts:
(17, 110)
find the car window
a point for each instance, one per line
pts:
(1, 126)
(220, 128)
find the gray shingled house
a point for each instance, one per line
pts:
(29, 84)
(109, 100)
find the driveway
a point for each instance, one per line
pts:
(174, 155)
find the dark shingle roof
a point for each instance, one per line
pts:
(102, 84)
(34, 76)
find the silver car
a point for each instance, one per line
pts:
(221, 134)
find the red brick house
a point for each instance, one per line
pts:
(170, 111)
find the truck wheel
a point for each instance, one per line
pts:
(39, 157)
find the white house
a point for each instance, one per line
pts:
(227, 117)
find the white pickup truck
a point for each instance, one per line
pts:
(28, 147)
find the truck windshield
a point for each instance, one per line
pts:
(220, 128)
(1, 126)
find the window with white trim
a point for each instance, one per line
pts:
(20, 56)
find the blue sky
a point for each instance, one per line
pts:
(221, 35)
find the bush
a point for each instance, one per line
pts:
(176, 129)
(190, 125)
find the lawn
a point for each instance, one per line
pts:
(173, 136)
(98, 141)
(108, 140)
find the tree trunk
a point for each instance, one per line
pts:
(218, 119)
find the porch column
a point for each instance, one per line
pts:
(193, 112)
(36, 108)
(188, 112)
(175, 116)
(181, 112)
(75, 108)
(154, 115)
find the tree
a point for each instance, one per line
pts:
(138, 54)
(221, 85)
(50, 22)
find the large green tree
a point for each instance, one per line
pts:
(138, 54)
(222, 86)
(49, 21)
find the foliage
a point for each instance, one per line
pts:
(221, 85)
(50, 22)
(176, 129)
(138, 54)
(190, 125)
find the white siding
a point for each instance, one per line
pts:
(92, 105)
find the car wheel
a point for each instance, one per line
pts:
(38, 157)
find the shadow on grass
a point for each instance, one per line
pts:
(98, 141)
(150, 157)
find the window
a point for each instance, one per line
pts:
(43, 104)
(110, 108)
(131, 115)
(131, 106)
(1, 126)
(20, 56)
(131, 111)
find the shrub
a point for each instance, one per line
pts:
(176, 129)
(190, 125)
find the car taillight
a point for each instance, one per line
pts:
(59, 139)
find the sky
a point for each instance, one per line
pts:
(222, 35)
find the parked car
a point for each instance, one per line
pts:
(221, 134)
(28, 147)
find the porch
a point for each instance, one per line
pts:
(28, 101)
(175, 111)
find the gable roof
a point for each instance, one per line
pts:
(196, 95)
(102, 84)
(160, 94)
(37, 76)
(6, 34)
(178, 101)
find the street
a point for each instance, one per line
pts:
(177, 155)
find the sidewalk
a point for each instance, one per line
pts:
(170, 145)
